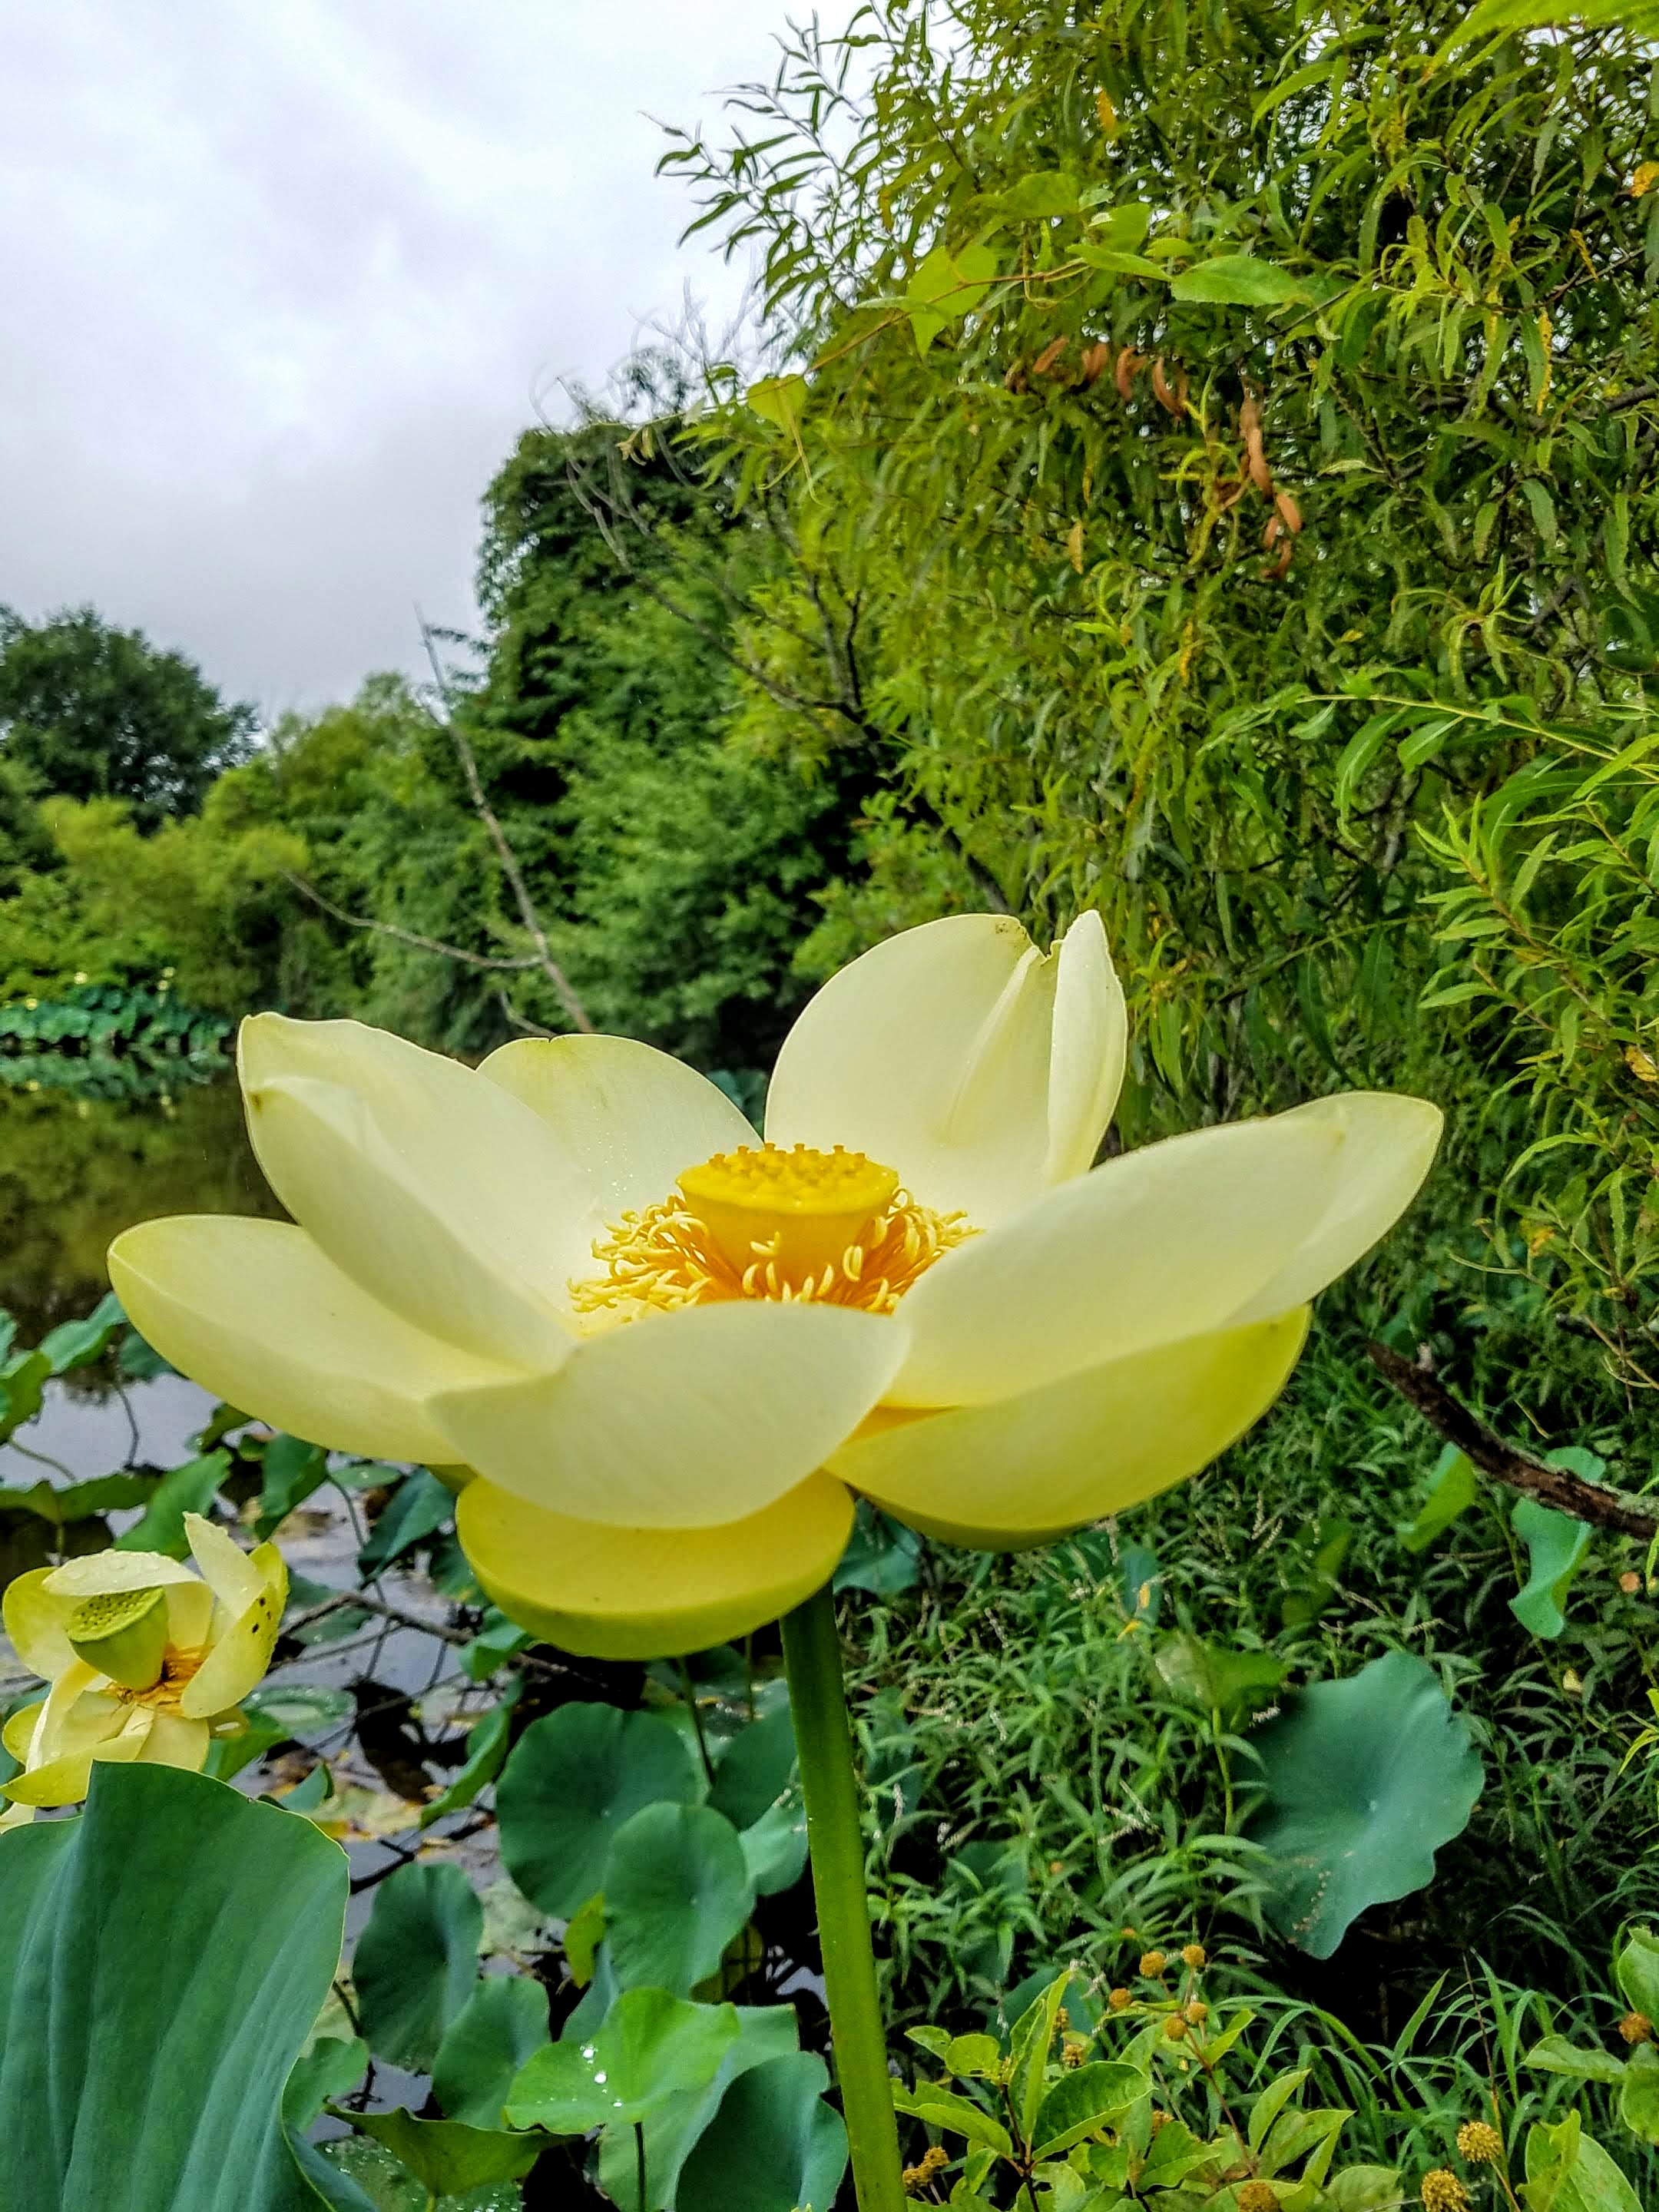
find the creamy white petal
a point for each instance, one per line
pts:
(634, 1118)
(226, 1568)
(254, 1312)
(440, 1195)
(1388, 1145)
(644, 1592)
(934, 1054)
(35, 1621)
(1089, 1051)
(101, 1574)
(1030, 1468)
(681, 1420)
(174, 1741)
(1162, 1243)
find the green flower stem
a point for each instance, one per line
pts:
(811, 1652)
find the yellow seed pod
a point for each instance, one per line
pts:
(1443, 2192)
(1196, 1957)
(1481, 2143)
(1197, 2012)
(1119, 2000)
(1635, 2027)
(1175, 2028)
(1153, 1964)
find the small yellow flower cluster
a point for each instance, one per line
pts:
(918, 2177)
(1480, 2144)
(1257, 2196)
(1443, 2192)
(1635, 2027)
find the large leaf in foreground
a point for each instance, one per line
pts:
(162, 1958)
(1365, 1780)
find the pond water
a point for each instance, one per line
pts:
(73, 1172)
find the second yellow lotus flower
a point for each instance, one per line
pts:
(673, 1352)
(143, 1658)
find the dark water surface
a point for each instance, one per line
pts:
(76, 1171)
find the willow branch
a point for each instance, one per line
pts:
(404, 936)
(575, 1013)
(1551, 1485)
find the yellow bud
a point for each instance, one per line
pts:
(1197, 2012)
(1119, 2000)
(1635, 2027)
(1153, 1964)
(1175, 2028)
(1196, 1957)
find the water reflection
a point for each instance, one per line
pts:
(75, 1172)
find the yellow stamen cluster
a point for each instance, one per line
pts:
(764, 1222)
(178, 1669)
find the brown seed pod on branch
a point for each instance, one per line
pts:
(1128, 362)
(1096, 360)
(1171, 398)
(1255, 455)
(1051, 354)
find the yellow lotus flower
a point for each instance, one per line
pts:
(145, 1659)
(672, 1353)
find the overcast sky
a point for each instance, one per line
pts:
(283, 279)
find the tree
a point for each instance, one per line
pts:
(1240, 428)
(94, 711)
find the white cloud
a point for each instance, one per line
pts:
(284, 278)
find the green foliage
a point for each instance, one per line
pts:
(1363, 1782)
(1237, 434)
(92, 712)
(161, 1956)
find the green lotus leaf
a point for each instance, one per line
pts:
(1364, 1781)
(417, 1962)
(486, 2044)
(651, 2047)
(764, 2032)
(773, 2145)
(162, 1958)
(447, 2156)
(676, 1890)
(573, 1781)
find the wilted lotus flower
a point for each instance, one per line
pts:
(673, 1353)
(145, 1659)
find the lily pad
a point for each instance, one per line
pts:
(650, 2048)
(417, 1961)
(1365, 1780)
(773, 2145)
(485, 2045)
(573, 1782)
(445, 2155)
(676, 1890)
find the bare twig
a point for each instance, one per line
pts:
(1551, 1485)
(406, 936)
(574, 1010)
(518, 1021)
